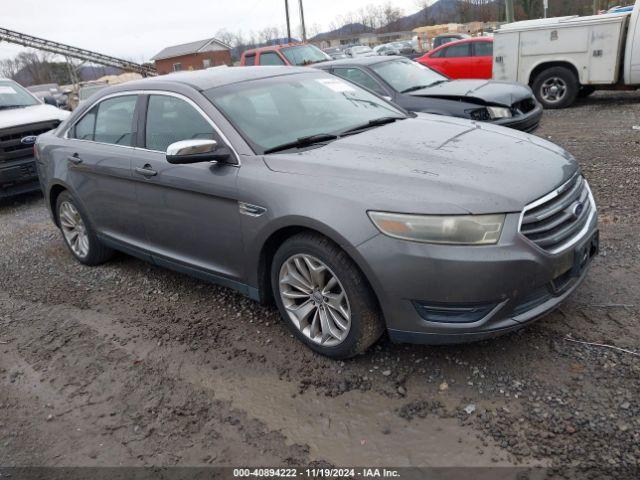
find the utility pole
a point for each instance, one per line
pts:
(509, 10)
(286, 11)
(304, 30)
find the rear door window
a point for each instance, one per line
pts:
(270, 58)
(171, 119)
(111, 121)
(456, 51)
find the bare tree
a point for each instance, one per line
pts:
(9, 68)
(390, 13)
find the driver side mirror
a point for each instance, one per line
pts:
(49, 100)
(196, 151)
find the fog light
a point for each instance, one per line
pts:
(453, 313)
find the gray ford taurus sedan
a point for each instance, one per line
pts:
(296, 187)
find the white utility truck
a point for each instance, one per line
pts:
(565, 57)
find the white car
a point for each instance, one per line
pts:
(22, 118)
(360, 51)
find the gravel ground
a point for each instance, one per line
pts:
(128, 364)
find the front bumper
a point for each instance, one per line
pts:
(527, 122)
(516, 278)
(18, 176)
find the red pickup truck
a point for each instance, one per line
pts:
(299, 54)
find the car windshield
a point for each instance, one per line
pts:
(13, 95)
(405, 75)
(305, 55)
(279, 110)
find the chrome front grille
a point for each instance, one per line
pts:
(11, 147)
(561, 218)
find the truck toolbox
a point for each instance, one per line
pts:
(563, 57)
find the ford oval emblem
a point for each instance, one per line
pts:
(28, 140)
(577, 209)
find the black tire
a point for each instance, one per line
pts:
(585, 91)
(564, 75)
(97, 252)
(367, 324)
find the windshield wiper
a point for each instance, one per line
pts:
(371, 123)
(3, 107)
(420, 87)
(303, 142)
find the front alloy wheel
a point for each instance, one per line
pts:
(323, 296)
(315, 300)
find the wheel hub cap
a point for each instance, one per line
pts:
(315, 300)
(553, 89)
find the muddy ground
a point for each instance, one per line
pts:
(129, 364)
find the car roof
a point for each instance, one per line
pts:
(360, 61)
(212, 77)
(270, 48)
(460, 42)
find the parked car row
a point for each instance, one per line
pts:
(299, 188)
(417, 88)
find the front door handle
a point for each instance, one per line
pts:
(74, 159)
(146, 171)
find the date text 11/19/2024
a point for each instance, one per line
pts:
(315, 473)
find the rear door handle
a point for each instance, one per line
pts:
(74, 159)
(146, 171)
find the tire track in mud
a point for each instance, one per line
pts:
(109, 406)
(121, 382)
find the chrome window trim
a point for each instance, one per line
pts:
(150, 92)
(580, 235)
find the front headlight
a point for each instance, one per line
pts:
(499, 112)
(449, 229)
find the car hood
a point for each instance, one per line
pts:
(429, 164)
(485, 91)
(14, 117)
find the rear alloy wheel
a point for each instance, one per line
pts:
(73, 229)
(78, 234)
(556, 87)
(323, 297)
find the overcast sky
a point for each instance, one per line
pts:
(138, 29)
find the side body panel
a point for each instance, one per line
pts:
(102, 183)
(506, 56)
(190, 213)
(632, 49)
